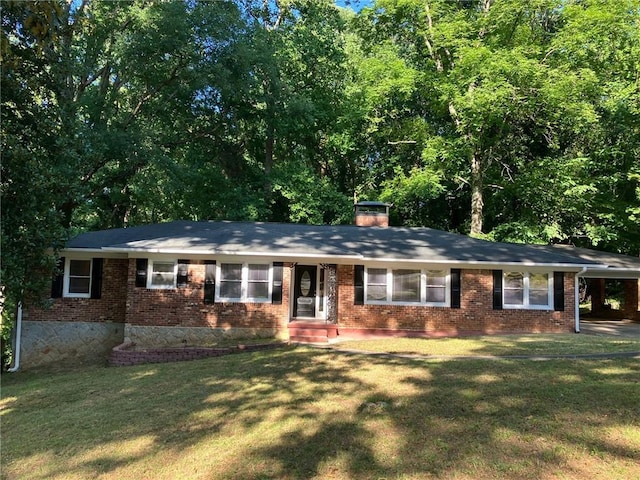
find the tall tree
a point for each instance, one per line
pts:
(506, 92)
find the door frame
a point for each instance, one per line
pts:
(321, 292)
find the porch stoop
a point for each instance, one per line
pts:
(310, 331)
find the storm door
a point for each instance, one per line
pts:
(304, 291)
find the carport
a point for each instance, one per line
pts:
(600, 268)
(621, 268)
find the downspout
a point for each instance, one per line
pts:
(16, 348)
(577, 298)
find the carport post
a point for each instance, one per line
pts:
(577, 298)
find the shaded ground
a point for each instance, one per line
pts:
(620, 328)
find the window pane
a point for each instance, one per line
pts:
(80, 268)
(230, 289)
(231, 271)
(538, 281)
(514, 296)
(163, 267)
(436, 278)
(163, 274)
(377, 276)
(377, 292)
(436, 294)
(258, 273)
(79, 285)
(406, 285)
(258, 290)
(513, 280)
(539, 297)
(162, 279)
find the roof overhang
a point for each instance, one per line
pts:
(592, 270)
(612, 273)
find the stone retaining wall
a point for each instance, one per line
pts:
(47, 343)
(128, 354)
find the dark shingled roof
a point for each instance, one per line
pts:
(326, 241)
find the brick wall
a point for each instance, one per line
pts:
(127, 354)
(109, 308)
(476, 314)
(185, 307)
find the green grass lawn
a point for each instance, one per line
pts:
(301, 413)
(536, 344)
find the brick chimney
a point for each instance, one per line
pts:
(372, 214)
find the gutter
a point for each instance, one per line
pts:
(17, 346)
(577, 297)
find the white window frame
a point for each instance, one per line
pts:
(526, 305)
(244, 284)
(423, 287)
(67, 278)
(150, 284)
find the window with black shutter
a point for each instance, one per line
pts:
(497, 289)
(141, 272)
(276, 288)
(182, 278)
(209, 281)
(358, 284)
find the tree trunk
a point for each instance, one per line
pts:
(268, 164)
(477, 202)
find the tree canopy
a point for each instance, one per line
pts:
(507, 119)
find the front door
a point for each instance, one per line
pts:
(304, 291)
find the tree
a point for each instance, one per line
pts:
(506, 97)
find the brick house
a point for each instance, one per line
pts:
(191, 283)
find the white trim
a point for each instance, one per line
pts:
(576, 297)
(18, 344)
(150, 284)
(294, 256)
(568, 267)
(67, 277)
(244, 283)
(526, 292)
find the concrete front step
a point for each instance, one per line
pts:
(312, 332)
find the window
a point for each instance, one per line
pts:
(162, 274)
(436, 286)
(258, 281)
(377, 284)
(77, 280)
(231, 280)
(407, 286)
(527, 290)
(244, 282)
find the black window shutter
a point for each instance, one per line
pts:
(276, 290)
(182, 279)
(58, 279)
(141, 272)
(558, 291)
(96, 278)
(455, 288)
(497, 289)
(358, 284)
(209, 281)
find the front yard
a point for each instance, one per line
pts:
(301, 413)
